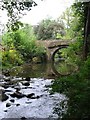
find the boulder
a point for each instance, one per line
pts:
(3, 96)
(17, 95)
(8, 104)
(26, 83)
(30, 95)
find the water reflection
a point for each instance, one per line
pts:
(35, 71)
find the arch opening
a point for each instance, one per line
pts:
(58, 53)
(61, 61)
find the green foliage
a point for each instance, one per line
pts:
(24, 41)
(78, 21)
(15, 9)
(67, 17)
(48, 29)
(74, 20)
(69, 58)
(11, 58)
(77, 88)
(40, 51)
(0, 59)
(20, 46)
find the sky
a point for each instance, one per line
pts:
(45, 9)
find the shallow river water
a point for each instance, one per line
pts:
(35, 100)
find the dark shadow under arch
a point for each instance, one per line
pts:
(61, 47)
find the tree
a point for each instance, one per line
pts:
(67, 17)
(87, 32)
(70, 22)
(14, 11)
(48, 29)
(82, 9)
(21, 43)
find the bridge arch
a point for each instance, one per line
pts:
(52, 46)
(56, 50)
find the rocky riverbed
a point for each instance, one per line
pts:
(27, 98)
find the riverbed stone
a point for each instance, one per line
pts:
(7, 73)
(35, 97)
(12, 100)
(27, 78)
(5, 86)
(17, 95)
(5, 110)
(26, 83)
(17, 88)
(23, 118)
(7, 90)
(30, 95)
(2, 76)
(8, 104)
(7, 79)
(18, 104)
(3, 95)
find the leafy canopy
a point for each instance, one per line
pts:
(15, 10)
(49, 29)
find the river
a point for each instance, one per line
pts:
(27, 93)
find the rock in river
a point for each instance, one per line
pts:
(30, 95)
(12, 100)
(3, 96)
(27, 78)
(17, 95)
(26, 83)
(8, 104)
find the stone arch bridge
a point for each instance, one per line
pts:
(52, 46)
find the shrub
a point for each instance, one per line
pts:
(77, 88)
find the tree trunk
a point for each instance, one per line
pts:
(87, 33)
